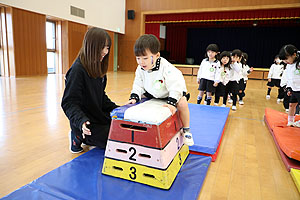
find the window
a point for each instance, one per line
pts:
(51, 46)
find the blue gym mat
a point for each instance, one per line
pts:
(81, 178)
(207, 124)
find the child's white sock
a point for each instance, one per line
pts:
(291, 118)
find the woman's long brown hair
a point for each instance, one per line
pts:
(95, 40)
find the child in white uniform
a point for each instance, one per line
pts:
(290, 55)
(274, 78)
(207, 73)
(155, 77)
(245, 71)
(223, 77)
(234, 77)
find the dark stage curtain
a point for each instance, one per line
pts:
(261, 43)
(176, 43)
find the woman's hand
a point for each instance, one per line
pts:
(172, 108)
(131, 101)
(85, 129)
(215, 84)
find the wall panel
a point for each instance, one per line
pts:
(75, 35)
(29, 36)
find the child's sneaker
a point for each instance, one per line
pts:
(290, 124)
(297, 124)
(198, 101)
(216, 104)
(230, 101)
(241, 102)
(268, 97)
(278, 101)
(233, 107)
(223, 105)
(205, 103)
(75, 143)
(286, 110)
(187, 138)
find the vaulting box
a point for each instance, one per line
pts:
(147, 175)
(152, 157)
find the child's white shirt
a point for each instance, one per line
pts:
(209, 70)
(283, 81)
(223, 75)
(234, 72)
(166, 81)
(293, 77)
(245, 72)
(275, 71)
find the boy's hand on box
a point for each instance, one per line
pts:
(131, 101)
(172, 108)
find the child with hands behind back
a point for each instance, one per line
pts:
(291, 56)
(155, 77)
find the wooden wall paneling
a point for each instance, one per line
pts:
(126, 58)
(26, 20)
(33, 42)
(29, 33)
(76, 35)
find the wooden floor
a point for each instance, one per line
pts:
(34, 141)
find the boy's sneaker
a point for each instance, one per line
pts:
(268, 97)
(241, 102)
(286, 110)
(205, 103)
(187, 138)
(233, 107)
(297, 124)
(75, 143)
(290, 124)
(230, 101)
(223, 105)
(216, 104)
(278, 101)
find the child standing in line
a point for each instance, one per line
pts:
(245, 71)
(155, 77)
(286, 99)
(283, 83)
(274, 77)
(223, 76)
(207, 73)
(290, 55)
(234, 77)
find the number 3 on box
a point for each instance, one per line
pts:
(133, 173)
